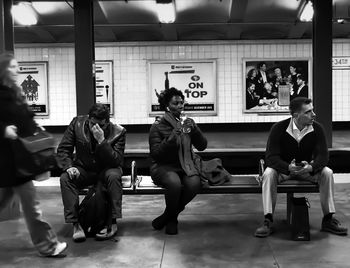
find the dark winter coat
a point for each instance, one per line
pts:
(90, 155)
(163, 144)
(13, 111)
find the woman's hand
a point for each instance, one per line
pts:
(189, 123)
(11, 132)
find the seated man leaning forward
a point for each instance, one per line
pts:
(297, 149)
(99, 152)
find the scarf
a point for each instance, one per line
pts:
(186, 154)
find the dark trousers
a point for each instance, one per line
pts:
(179, 188)
(111, 178)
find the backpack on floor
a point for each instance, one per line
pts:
(300, 219)
(95, 211)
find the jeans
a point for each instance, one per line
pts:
(111, 178)
(41, 233)
(324, 179)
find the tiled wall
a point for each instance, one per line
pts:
(130, 76)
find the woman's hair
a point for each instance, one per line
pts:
(166, 95)
(5, 59)
(250, 73)
(99, 111)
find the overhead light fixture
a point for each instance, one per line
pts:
(166, 11)
(24, 14)
(308, 12)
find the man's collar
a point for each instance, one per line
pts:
(294, 126)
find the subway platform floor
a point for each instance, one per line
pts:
(214, 231)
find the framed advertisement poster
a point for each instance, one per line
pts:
(104, 84)
(32, 78)
(196, 79)
(270, 84)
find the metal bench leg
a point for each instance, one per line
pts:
(289, 206)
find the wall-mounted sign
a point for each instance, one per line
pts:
(342, 63)
(33, 80)
(104, 84)
(196, 80)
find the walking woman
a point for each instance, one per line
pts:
(17, 120)
(171, 151)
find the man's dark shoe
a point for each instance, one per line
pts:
(78, 233)
(333, 226)
(160, 222)
(264, 230)
(171, 227)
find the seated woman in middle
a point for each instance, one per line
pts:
(173, 168)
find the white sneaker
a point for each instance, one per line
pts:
(78, 233)
(57, 253)
(60, 248)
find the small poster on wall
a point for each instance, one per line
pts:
(104, 84)
(33, 80)
(196, 80)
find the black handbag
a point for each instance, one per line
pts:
(34, 154)
(300, 219)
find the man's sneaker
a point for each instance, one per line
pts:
(107, 233)
(78, 233)
(333, 226)
(264, 230)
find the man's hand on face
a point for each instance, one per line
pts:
(98, 133)
(73, 173)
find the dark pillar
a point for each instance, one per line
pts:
(322, 64)
(84, 55)
(6, 26)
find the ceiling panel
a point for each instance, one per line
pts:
(192, 11)
(129, 12)
(272, 10)
(136, 20)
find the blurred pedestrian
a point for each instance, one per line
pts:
(16, 120)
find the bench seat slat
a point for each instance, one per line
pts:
(237, 184)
